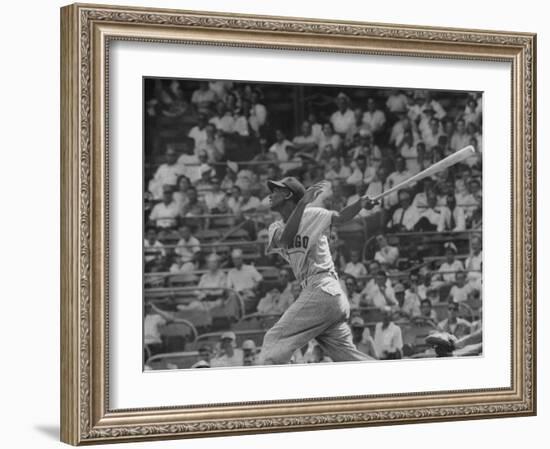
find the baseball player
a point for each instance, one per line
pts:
(322, 309)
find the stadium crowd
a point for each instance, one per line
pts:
(409, 266)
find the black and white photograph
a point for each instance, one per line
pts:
(304, 223)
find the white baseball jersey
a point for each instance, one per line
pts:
(309, 253)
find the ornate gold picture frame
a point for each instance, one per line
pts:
(86, 34)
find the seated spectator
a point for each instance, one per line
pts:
(180, 266)
(405, 216)
(427, 311)
(203, 185)
(229, 180)
(461, 291)
(204, 98)
(193, 208)
(430, 136)
(452, 216)
(153, 320)
(386, 253)
(223, 119)
(213, 144)
(355, 267)
(454, 324)
(398, 130)
(248, 202)
(293, 163)
(472, 113)
(166, 175)
(250, 353)
(257, 110)
(429, 101)
(396, 102)
(152, 248)
(279, 298)
(421, 198)
(431, 217)
(451, 266)
(244, 279)
(198, 133)
(362, 338)
(214, 278)
(188, 246)
(460, 138)
(353, 292)
(335, 170)
(381, 295)
(409, 152)
(280, 146)
(472, 200)
(305, 142)
(180, 195)
(388, 339)
(165, 214)
(343, 119)
(374, 118)
(229, 355)
(474, 262)
(205, 357)
(215, 197)
(362, 174)
(408, 304)
(329, 142)
(398, 176)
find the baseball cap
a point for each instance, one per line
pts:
(228, 336)
(289, 183)
(357, 321)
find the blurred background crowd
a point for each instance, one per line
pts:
(410, 266)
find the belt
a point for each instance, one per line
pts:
(307, 281)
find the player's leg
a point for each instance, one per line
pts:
(304, 320)
(337, 343)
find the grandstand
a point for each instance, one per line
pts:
(210, 146)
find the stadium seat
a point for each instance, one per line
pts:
(207, 235)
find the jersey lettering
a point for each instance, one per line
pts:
(300, 242)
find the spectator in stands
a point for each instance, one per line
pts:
(223, 119)
(306, 142)
(430, 135)
(386, 253)
(409, 152)
(362, 173)
(460, 138)
(204, 98)
(335, 170)
(343, 119)
(427, 311)
(165, 214)
(153, 249)
(408, 305)
(451, 265)
(329, 143)
(411, 295)
(452, 216)
(233, 201)
(205, 357)
(229, 355)
(180, 266)
(472, 114)
(228, 180)
(374, 118)
(198, 133)
(154, 319)
(362, 338)
(188, 247)
(473, 199)
(381, 295)
(248, 202)
(431, 217)
(387, 337)
(180, 195)
(244, 279)
(280, 146)
(405, 216)
(213, 144)
(396, 102)
(214, 278)
(214, 198)
(250, 353)
(461, 291)
(257, 110)
(398, 130)
(453, 324)
(166, 174)
(294, 162)
(474, 262)
(194, 207)
(353, 292)
(245, 125)
(204, 185)
(355, 267)
(279, 298)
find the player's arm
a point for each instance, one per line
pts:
(293, 223)
(349, 212)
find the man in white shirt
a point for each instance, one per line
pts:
(386, 253)
(152, 248)
(461, 291)
(380, 295)
(399, 175)
(362, 174)
(373, 117)
(406, 216)
(280, 146)
(223, 120)
(153, 320)
(230, 355)
(166, 175)
(388, 338)
(215, 197)
(244, 279)
(165, 214)
(354, 267)
(204, 98)
(343, 119)
(451, 266)
(188, 246)
(198, 133)
(452, 216)
(474, 262)
(460, 137)
(336, 171)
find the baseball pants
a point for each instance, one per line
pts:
(320, 312)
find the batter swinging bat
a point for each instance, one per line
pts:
(454, 158)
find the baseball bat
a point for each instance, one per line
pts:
(450, 160)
